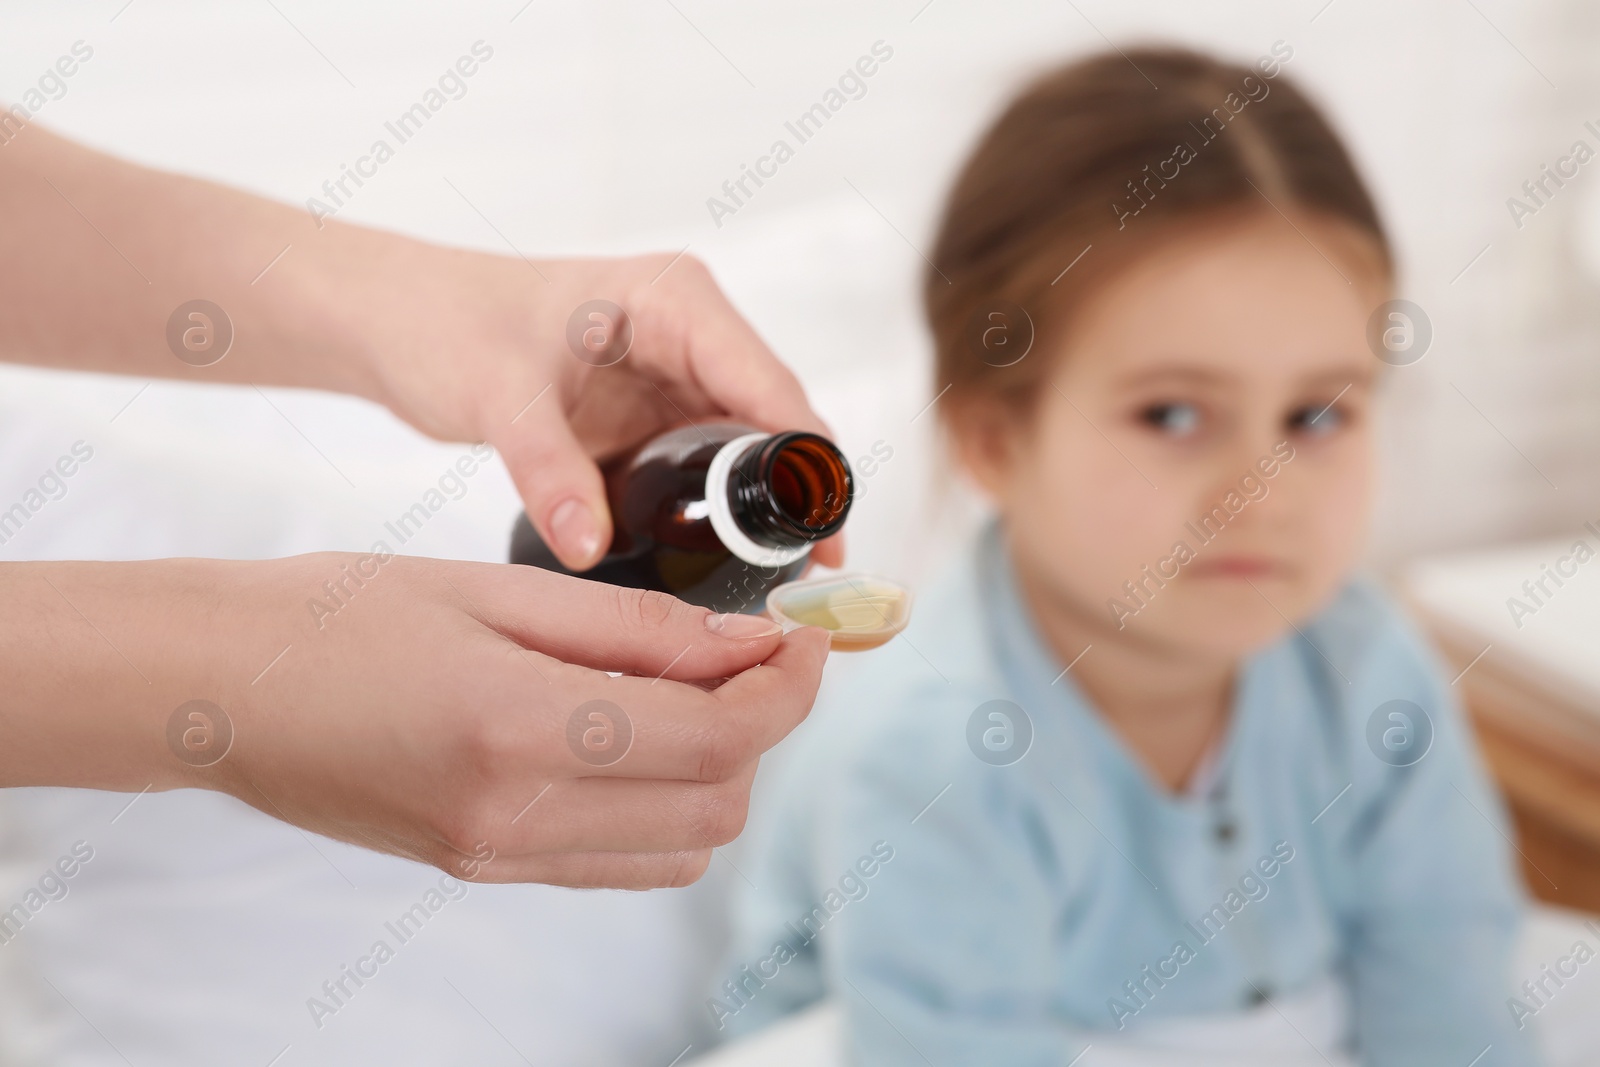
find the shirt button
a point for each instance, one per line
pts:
(1224, 831)
(1258, 994)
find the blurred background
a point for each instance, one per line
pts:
(599, 129)
(604, 128)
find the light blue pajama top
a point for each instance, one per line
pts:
(970, 912)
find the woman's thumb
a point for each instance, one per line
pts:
(561, 488)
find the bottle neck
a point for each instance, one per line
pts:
(773, 496)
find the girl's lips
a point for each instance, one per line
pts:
(1238, 567)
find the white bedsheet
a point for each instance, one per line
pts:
(1548, 634)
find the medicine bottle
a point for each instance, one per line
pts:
(717, 514)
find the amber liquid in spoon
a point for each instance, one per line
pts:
(859, 612)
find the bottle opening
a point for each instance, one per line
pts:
(796, 487)
(811, 482)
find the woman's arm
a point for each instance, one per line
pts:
(101, 260)
(446, 712)
(429, 714)
(99, 253)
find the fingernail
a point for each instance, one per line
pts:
(576, 533)
(737, 627)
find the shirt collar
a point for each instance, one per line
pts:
(1060, 710)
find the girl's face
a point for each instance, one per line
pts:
(1197, 472)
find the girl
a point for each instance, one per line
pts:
(1151, 769)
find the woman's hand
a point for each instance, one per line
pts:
(456, 713)
(430, 710)
(558, 363)
(463, 345)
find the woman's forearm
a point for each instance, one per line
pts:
(95, 662)
(100, 255)
(412, 705)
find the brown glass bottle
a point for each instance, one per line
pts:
(714, 513)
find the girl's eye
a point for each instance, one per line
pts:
(1317, 420)
(1176, 420)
